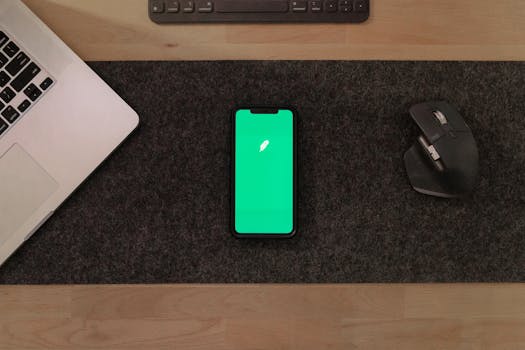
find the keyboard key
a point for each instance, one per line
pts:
(10, 114)
(173, 6)
(17, 64)
(3, 38)
(24, 106)
(3, 126)
(299, 6)
(345, 6)
(7, 94)
(4, 79)
(361, 6)
(1, 105)
(331, 5)
(32, 92)
(25, 77)
(188, 6)
(205, 6)
(3, 60)
(11, 49)
(157, 6)
(316, 6)
(46, 84)
(242, 6)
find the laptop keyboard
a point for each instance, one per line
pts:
(22, 82)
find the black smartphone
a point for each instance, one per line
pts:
(264, 172)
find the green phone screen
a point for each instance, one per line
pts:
(264, 172)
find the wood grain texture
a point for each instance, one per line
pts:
(396, 30)
(272, 317)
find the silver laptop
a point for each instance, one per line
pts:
(58, 122)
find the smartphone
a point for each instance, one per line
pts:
(264, 172)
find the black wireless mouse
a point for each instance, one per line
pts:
(444, 160)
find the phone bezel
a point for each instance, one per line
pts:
(232, 182)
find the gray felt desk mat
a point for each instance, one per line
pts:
(158, 209)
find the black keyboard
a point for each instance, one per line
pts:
(22, 82)
(209, 11)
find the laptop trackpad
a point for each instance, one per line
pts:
(24, 187)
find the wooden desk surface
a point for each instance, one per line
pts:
(269, 316)
(396, 30)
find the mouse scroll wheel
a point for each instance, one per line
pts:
(430, 149)
(440, 117)
(432, 152)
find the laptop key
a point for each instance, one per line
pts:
(7, 94)
(3, 60)
(11, 49)
(18, 85)
(46, 84)
(24, 106)
(3, 126)
(4, 79)
(25, 77)
(3, 38)
(32, 92)
(17, 64)
(10, 114)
